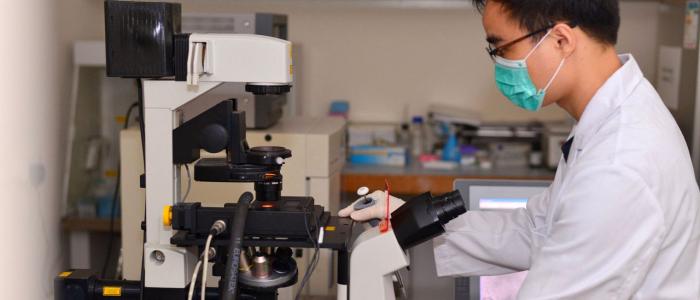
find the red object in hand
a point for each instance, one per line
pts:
(386, 223)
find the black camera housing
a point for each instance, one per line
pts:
(139, 38)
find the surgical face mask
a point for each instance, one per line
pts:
(514, 82)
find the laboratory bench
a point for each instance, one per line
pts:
(414, 179)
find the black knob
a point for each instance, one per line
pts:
(283, 266)
(284, 252)
(267, 89)
(284, 263)
(214, 138)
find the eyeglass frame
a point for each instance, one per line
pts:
(494, 51)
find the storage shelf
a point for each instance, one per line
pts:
(414, 180)
(89, 224)
(427, 4)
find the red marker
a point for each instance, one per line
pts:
(386, 223)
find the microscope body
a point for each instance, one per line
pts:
(163, 100)
(174, 71)
(376, 256)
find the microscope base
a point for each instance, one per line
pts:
(375, 258)
(81, 284)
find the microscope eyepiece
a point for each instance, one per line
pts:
(449, 206)
(423, 217)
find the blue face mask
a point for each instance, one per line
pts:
(513, 80)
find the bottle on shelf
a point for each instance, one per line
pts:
(451, 150)
(404, 135)
(417, 136)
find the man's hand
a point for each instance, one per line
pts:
(376, 211)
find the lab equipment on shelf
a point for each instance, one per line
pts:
(417, 136)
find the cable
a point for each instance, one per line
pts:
(206, 265)
(189, 183)
(217, 228)
(314, 258)
(228, 292)
(115, 196)
(128, 114)
(112, 216)
(193, 282)
(142, 119)
(211, 253)
(139, 90)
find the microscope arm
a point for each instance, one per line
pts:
(377, 255)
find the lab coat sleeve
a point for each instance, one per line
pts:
(489, 242)
(606, 233)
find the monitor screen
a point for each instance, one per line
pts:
(503, 286)
(495, 195)
(501, 203)
(489, 197)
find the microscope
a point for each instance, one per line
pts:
(249, 242)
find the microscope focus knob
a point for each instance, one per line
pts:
(214, 138)
(268, 155)
(363, 191)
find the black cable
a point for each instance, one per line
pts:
(228, 292)
(315, 258)
(142, 118)
(189, 183)
(115, 196)
(142, 130)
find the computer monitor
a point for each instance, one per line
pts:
(494, 195)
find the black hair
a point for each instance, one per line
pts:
(600, 19)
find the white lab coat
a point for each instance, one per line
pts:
(621, 219)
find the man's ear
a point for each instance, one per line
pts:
(565, 37)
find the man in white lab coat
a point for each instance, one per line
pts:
(622, 218)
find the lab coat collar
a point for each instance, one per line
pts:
(611, 95)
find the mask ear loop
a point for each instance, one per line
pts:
(537, 45)
(551, 80)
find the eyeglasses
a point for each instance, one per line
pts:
(498, 51)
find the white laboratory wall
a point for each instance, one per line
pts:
(639, 34)
(31, 123)
(383, 58)
(378, 58)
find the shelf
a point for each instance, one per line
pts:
(411, 4)
(414, 180)
(89, 224)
